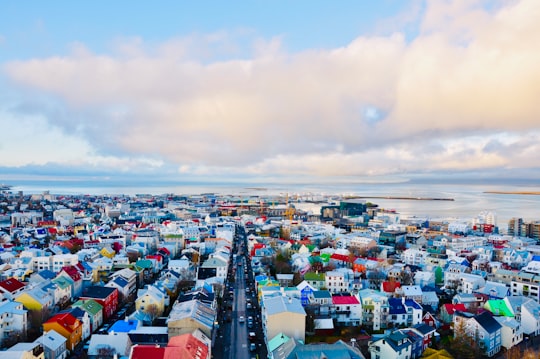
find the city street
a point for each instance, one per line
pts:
(232, 340)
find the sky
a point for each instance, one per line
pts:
(387, 90)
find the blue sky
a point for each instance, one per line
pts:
(271, 90)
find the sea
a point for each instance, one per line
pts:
(458, 201)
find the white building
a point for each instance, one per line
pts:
(63, 260)
(13, 319)
(413, 256)
(511, 331)
(336, 282)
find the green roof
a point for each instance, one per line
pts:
(498, 307)
(325, 257)
(89, 305)
(314, 276)
(62, 282)
(277, 341)
(144, 263)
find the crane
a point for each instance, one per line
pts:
(289, 210)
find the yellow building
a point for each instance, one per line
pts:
(35, 299)
(107, 252)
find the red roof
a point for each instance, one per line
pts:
(452, 308)
(346, 299)
(147, 352)
(66, 320)
(157, 257)
(390, 287)
(340, 257)
(11, 285)
(72, 272)
(185, 346)
(165, 250)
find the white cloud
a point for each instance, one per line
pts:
(380, 105)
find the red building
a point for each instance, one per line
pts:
(106, 296)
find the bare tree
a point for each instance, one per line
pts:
(106, 352)
(153, 311)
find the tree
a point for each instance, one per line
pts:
(36, 318)
(439, 276)
(282, 264)
(297, 278)
(106, 352)
(463, 344)
(407, 277)
(13, 338)
(153, 311)
(133, 256)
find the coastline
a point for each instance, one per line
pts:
(525, 193)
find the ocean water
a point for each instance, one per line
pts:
(469, 200)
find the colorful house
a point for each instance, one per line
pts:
(107, 297)
(499, 307)
(94, 310)
(315, 279)
(11, 287)
(150, 300)
(448, 310)
(66, 325)
(73, 273)
(54, 345)
(36, 299)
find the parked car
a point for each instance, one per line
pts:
(252, 336)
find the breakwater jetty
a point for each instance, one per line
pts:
(408, 198)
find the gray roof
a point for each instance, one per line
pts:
(194, 309)
(52, 340)
(281, 304)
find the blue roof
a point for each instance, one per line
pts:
(124, 326)
(487, 322)
(412, 303)
(86, 266)
(396, 306)
(121, 282)
(47, 274)
(424, 328)
(536, 258)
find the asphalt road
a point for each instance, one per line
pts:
(232, 339)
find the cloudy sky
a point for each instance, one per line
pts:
(273, 90)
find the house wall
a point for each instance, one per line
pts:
(292, 325)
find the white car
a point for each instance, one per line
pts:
(241, 319)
